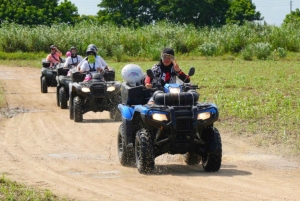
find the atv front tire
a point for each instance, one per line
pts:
(126, 156)
(63, 98)
(212, 161)
(44, 87)
(144, 153)
(77, 109)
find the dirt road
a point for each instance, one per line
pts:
(41, 146)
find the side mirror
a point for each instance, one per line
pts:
(191, 71)
(150, 73)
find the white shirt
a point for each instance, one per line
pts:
(71, 60)
(99, 58)
(86, 66)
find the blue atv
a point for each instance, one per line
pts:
(176, 124)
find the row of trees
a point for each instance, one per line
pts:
(38, 12)
(135, 13)
(197, 12)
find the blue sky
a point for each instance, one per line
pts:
(274, 11)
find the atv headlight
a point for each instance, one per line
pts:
(174, 90)
(203, 116)
(159, 117)
(111, 88)
(85, 89)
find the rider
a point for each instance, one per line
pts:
(91, 64)
(54, 56)
(166, 70)
(74, 59)
(98, 57)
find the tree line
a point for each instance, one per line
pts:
(135, 13)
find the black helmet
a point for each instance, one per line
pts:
(73, 48)
(93, 46)
(91, 50)
(52, 47)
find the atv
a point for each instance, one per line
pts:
(62, 88)
(99, 94)
(176, 124)
(48, 77)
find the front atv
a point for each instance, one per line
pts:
(176, 124)
(96, 95)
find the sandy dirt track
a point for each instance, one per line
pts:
(42, 147)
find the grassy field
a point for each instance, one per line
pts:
(10, 190)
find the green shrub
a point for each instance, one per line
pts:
(208, 49)
(262, 50)
(281, 52)
(248, 53)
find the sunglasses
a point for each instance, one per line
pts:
(167, 57)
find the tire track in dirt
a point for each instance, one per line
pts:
(44, 148)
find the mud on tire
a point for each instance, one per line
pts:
(192, 158)
(44, 87)
(77, 109)
(212, 161)
(126, 156)
(63, 98)
(144, 155)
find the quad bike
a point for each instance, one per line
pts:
(176, 124)
(48, 75)
(62, 88)
(99, 94)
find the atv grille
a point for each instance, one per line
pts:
(98, 91)
(184, 123)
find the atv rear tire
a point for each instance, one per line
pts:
(192, 158)
(77, 109)
(212, 161)
(44, 87)
(63, 101)
(126, 156)
(144, 153)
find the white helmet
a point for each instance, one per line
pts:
(132, 73)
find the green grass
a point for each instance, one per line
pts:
(12, 191)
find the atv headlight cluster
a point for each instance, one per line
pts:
(85, 89)
(111, 88)
(174, 90)
(159, 117)
(203, 116)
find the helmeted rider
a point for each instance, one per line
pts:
(74, 59)
(98, 57)
(54, 56)
(91, 64)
